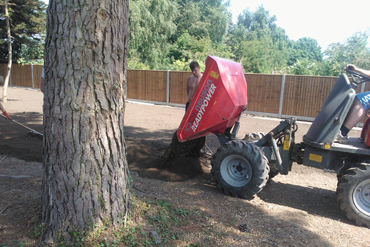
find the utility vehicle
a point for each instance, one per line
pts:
(242, 168)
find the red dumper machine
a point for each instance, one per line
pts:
(218, 102)
(242, 168)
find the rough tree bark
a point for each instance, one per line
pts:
(85, 179)
(7, 76)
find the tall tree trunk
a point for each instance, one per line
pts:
(85, 178)
(7, 76)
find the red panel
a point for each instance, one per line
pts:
(365, 127)
(218, 101)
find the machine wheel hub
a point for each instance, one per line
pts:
(236, 170)
(361, 197)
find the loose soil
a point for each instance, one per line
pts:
(299, 209)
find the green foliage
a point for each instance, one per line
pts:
(303, 67)
(304, 48)
(28, 27)
(165, 33)
(203, 19)
(151, 25)
(188, 48)
(135, 63)
(169, 34)
(151, 221)
(32, 52)
(259, 56)
(258, 43)
(37, 232)
(15, 244)
(354, 50)
(179, 65)
(260, 21)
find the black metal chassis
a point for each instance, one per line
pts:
(281, 150)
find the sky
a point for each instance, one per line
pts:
(327, 21)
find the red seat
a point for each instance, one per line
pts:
(365, 132)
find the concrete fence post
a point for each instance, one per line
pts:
(282, 96)
(168, 86)
(126, 86)
(32, 76)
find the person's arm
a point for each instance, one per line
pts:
(4, 111)
(361, 71)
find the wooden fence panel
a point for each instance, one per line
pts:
(37, 72)
(178, 80)
(147, 85)
(21, 75)
(305, 95)
(3, 69)
(134, 84)
(263, 92)
(159, 81)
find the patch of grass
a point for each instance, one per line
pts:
(151, 223)
(36, 233)
(15, 244)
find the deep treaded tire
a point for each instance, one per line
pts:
(353, 193)
(240, 169)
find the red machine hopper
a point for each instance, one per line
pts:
(218, 101)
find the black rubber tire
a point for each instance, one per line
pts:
(353, 194)
(240, 169)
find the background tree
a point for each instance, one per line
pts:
(27, 22)
(258, 43)
(167, 34)
(203, 19)
(85, 182)
(189, 20)
(188, 48)
(304, 48)
(151, 25)
(9, 39)
(354, 50)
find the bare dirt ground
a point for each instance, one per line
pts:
(299, 209)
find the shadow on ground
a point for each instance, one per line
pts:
(312, 200)
(18, 141)
(144, 156)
